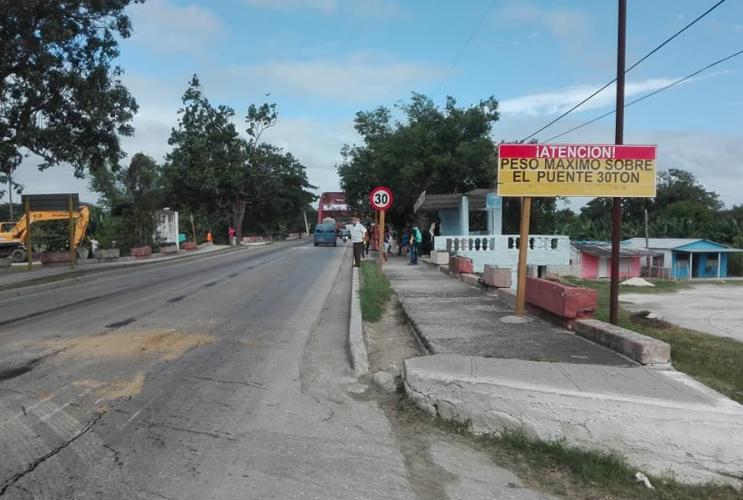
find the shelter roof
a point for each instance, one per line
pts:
(451, 200)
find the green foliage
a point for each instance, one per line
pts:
(436, 150)
(131, 195)
(62, 98)
(375, 291)
(218, 176)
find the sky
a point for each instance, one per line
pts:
(321, 61)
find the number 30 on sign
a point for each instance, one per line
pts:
(380, 198)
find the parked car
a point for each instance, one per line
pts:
(325, 234)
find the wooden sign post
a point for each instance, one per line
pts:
(380, 199)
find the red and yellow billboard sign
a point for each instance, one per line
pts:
(576, 170)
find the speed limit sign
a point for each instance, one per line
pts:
(380, 198)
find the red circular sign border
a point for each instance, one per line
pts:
(383, 189)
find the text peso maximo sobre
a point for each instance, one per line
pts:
(576, 170)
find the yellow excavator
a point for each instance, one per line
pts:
(13, 235)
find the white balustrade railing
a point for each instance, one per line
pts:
(502, 250)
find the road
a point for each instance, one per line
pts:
(708, 308)
(222, 377)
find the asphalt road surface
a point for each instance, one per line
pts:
(220, 377)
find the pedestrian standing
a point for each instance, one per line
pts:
(231, 232)
(358, 238)
(405, 242)
(416, 238)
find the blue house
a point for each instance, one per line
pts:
(684, 258)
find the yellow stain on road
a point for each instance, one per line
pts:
(165, 344)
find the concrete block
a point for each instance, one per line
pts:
(55, 258)
(470, 279)
(498, 277)
(169, 249)
(459, 265)
(663, 422)
(561, 300)
(439, 258)
(144, 251)
(643, 349)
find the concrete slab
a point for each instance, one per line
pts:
(708, 308)
(451, 317)
(662, 421)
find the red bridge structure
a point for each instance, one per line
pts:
(334, 205)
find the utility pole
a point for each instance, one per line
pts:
(10, 195)
(616, 209)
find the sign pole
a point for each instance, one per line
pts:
(29, 252)
(523, 247)
(72, 231)
(616, 208)
(380, 248)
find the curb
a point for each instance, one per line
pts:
(357, 348)
(77, 276)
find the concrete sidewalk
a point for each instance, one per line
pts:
(555, 385)
(454, 318)
(18, 274)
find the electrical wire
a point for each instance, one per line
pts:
(657, 91)
(656, 49)
(464, 47)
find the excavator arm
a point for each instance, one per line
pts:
(18, 232)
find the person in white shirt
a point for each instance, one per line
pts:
(358, 235)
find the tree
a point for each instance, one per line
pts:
(132, 195)
(61, 96)
(436, 150)
(281, 191)
(204, 171)
(258, 119)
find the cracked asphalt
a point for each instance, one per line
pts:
(221, 377)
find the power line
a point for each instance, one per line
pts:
(656, 49)
(464, 47)
(658, 91)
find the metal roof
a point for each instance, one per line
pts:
(660, 243)
(600, 249)
(451, 200)
(677, 243)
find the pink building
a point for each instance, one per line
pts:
(594, 260)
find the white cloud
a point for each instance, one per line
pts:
(324, 6)
(359, 8)
(359, 77)
(565, 24)
(550, 103)
(317, 144)
(163, 25)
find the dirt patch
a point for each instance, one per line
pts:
(166, 344)
(115, 389)
(390, 341)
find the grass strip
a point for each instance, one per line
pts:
(714, 361)
(375, 292)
